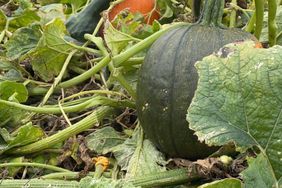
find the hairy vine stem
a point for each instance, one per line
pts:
(233, 15)
(259, 4)
(39, 165)
(272, 26)
(76, 128)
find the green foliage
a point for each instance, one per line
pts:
(50, 53)
(229, 182)
(10, 70)
(3, 20)
(105, 183)
(103, 140)
(14, 91)
(75, 4)
(22, 41)
(49, 12)
(133, 25)
(23, 19)
(135, 155)
(14, 170)
(24, 135)
(115, 40)
(259, 174)
(238, 100)
(264, 34)
(35, 47)
(165, 8)
(138, 156)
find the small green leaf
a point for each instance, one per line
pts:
(53, 36)
(47, 2)
(10, 70)
(259, 173)
(49, 12)
(229, 182)
(5, 135)
(22, 41)
(103, 140)
(23, 19)
(7, 114)
(145, 160)
(3, 20)
(24, 135)
(25, 4)
(168, 12)
(14, 170)
(10, 88)
(115, 40)
(46, 63)
(133, 24)
(139, 156)
(165, 8)
(76, 4)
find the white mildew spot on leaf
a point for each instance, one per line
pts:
(258, 65)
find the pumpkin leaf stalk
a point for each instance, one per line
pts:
(259, 17)
(272, 26)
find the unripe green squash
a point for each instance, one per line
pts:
(168, 80)
(86, 20)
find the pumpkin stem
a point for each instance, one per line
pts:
(196, 9)
(212, 13)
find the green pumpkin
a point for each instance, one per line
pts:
(86, 20)
(168, 80)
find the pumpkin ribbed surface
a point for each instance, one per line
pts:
(167, 82)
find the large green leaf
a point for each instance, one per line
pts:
(239, 100)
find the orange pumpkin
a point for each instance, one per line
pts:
(145, 7)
